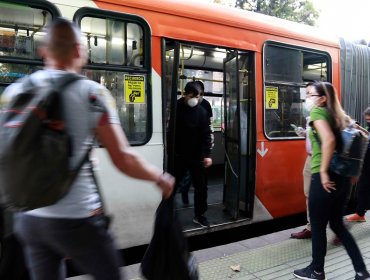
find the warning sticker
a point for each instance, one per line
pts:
(135, 89)
(272, 98)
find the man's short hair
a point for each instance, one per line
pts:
(201, 85)
(61, 35)
(367, 111)
(192, 87)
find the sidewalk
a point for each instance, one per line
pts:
(272, 256)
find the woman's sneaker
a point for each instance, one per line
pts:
(362, 275)
(308, 273)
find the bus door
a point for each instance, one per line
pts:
(170, 70)
(239, 127)
(2, 99)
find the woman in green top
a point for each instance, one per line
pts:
(328, 192)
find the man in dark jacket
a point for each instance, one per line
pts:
(193, 144)
(363, 186)
(185, 184)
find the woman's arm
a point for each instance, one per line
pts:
(328, 143)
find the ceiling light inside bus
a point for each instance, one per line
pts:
(219, 54)
(118, 41)
(188, 52)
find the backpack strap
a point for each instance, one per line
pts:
(61, 83)
(66, 79)
(337, 135)
(338, 140)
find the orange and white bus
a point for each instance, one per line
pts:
(254, 68)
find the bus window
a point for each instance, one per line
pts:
(287, 70)
(118, 59)
(10, 72)
(21, 30)
(133, 115)
(112, 41)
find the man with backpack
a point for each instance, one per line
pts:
(75, 226)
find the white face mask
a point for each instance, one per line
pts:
(309, 104)
(192, 102)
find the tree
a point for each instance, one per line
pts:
(230, 3)
(302, 11)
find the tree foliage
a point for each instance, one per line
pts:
(302, 11)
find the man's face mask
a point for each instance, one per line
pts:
(192, 102)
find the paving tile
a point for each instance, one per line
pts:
(207, 254)
(232, 248)
(255, 242)
(276, 237)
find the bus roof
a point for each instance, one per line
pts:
(233, 17)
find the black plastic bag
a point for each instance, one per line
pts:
(167, 256)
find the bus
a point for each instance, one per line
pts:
(254, 68)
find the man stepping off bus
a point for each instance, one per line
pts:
(193, 144)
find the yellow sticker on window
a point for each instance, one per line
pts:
(272, 98)
(135, 89)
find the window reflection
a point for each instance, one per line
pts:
(21, 30)
(113, 42)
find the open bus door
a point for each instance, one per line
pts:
(170, 67)
(239, 134)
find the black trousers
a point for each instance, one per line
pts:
(199, 179)
(329, 208)
(363, 191)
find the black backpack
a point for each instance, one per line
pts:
(35, 148)
(348, 160)
(349, 154)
